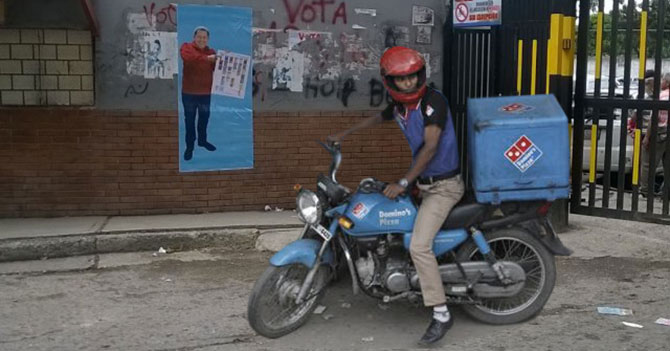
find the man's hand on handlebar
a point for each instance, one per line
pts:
(332, 139)
(393, 190)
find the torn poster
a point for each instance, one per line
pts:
(230, 74)
(423, 16)
(288, 74)
(137, 22)
(423, 34)
(296, 37)
(369, 12)
(426, 57)
(160, 58)
(395, 36)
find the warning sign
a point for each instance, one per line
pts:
(470, 13)
(523, 153)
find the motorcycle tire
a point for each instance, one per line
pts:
(516, 245)
(276, 288)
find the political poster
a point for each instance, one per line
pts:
(215, 102)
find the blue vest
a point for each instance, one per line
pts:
(445, 159)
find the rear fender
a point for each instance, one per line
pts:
(303, 251)
(550, 239)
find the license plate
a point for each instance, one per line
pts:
(325, 234)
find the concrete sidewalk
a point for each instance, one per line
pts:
(39, 238)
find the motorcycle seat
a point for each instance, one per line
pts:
(465, 215)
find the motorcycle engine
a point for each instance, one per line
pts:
(383, 263)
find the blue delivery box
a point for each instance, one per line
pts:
(518, 148)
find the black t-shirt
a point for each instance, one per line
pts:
(433, 105)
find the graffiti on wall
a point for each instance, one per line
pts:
(165, 15)
(322, 11)
(290, 54)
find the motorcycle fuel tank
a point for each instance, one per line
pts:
(374, 213)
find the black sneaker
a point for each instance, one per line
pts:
(207, 146)
(436, 331)
(188, 154)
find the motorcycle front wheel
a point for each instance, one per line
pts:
(514, 245)
(272, 311)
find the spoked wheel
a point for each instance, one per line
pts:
(272, 310)
(515, 245)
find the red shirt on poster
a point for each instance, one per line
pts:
(197, 72)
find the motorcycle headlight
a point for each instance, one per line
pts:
(309, 207)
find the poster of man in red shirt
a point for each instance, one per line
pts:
(199, 60)
(215, 100)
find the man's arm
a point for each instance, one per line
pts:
(370, 121)
(188, 53)
(431, 141)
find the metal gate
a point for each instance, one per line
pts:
(521, 56)
(618, 129)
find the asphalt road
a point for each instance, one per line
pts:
(197, 301)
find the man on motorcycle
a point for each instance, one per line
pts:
(423, 115)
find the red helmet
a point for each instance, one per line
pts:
(400, 61)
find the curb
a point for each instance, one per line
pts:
(36, 248)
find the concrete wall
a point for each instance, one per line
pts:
(340, 62)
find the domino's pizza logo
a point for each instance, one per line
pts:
(516, 107)
(523, 153)
(360, 210)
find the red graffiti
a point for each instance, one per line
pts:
(304, 36)
(316, 10)
(165, 14)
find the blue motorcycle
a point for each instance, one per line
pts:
(497, 261)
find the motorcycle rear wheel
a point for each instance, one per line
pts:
(514, 245)
(272, 311)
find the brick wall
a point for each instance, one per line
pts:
(74, 162)
(46, 67)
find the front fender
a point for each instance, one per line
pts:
(303, 251)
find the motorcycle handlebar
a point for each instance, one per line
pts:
(333, 147)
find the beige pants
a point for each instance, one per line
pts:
(438, 200)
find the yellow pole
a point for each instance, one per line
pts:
(546, 90)
(643, 64)
(533, 73)
(553, 48)
(519, 68)
(599, 43)
(636, 156)
(643, 44)
(568, 60)
(594, 148)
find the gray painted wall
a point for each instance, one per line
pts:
(341, 69)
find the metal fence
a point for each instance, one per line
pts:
(620, 158)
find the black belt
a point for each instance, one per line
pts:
(433, 179)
